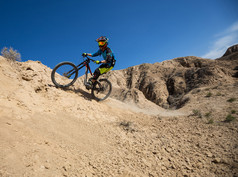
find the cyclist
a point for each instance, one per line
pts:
(108, 56)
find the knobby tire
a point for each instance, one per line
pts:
(54, 74)
(98, 89)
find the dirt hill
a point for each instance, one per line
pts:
(174, 118)
(167, 83)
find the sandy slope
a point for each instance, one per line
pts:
(47, 131)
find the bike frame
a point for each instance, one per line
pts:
(87, 68)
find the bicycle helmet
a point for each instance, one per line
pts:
(102, 38)
(102, 41)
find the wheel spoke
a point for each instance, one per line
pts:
(64, 74)
(101, 89)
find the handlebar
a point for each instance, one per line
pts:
(89, 58)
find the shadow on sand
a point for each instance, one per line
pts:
(86, 95)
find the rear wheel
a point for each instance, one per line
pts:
(64, 74)
(101, 89)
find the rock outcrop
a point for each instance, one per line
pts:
(230, 50)
(167, 83)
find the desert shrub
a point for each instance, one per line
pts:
(233, 111)
(209, 94)
(208, 114)
(210, 121)
(231, 100)
(127, 126)
(11, 54)
(229, 118)
(209, 118)
(125, 123)
(197, 113)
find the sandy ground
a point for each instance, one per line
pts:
(47, 131)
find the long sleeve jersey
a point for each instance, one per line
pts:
(107, 55)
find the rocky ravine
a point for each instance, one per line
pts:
(47, 131)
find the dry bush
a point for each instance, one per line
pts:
(231, 100)
(127, 126)
(197, 113)
(229, 118)
(11, 54)
(209, 94)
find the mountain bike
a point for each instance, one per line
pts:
(65, 74)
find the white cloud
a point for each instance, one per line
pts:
(223, 40)
(233, 27)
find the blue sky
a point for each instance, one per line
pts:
(139, 31)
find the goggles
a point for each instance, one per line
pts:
(101, 43)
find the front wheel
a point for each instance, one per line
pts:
(64, 74)
(101, 89)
